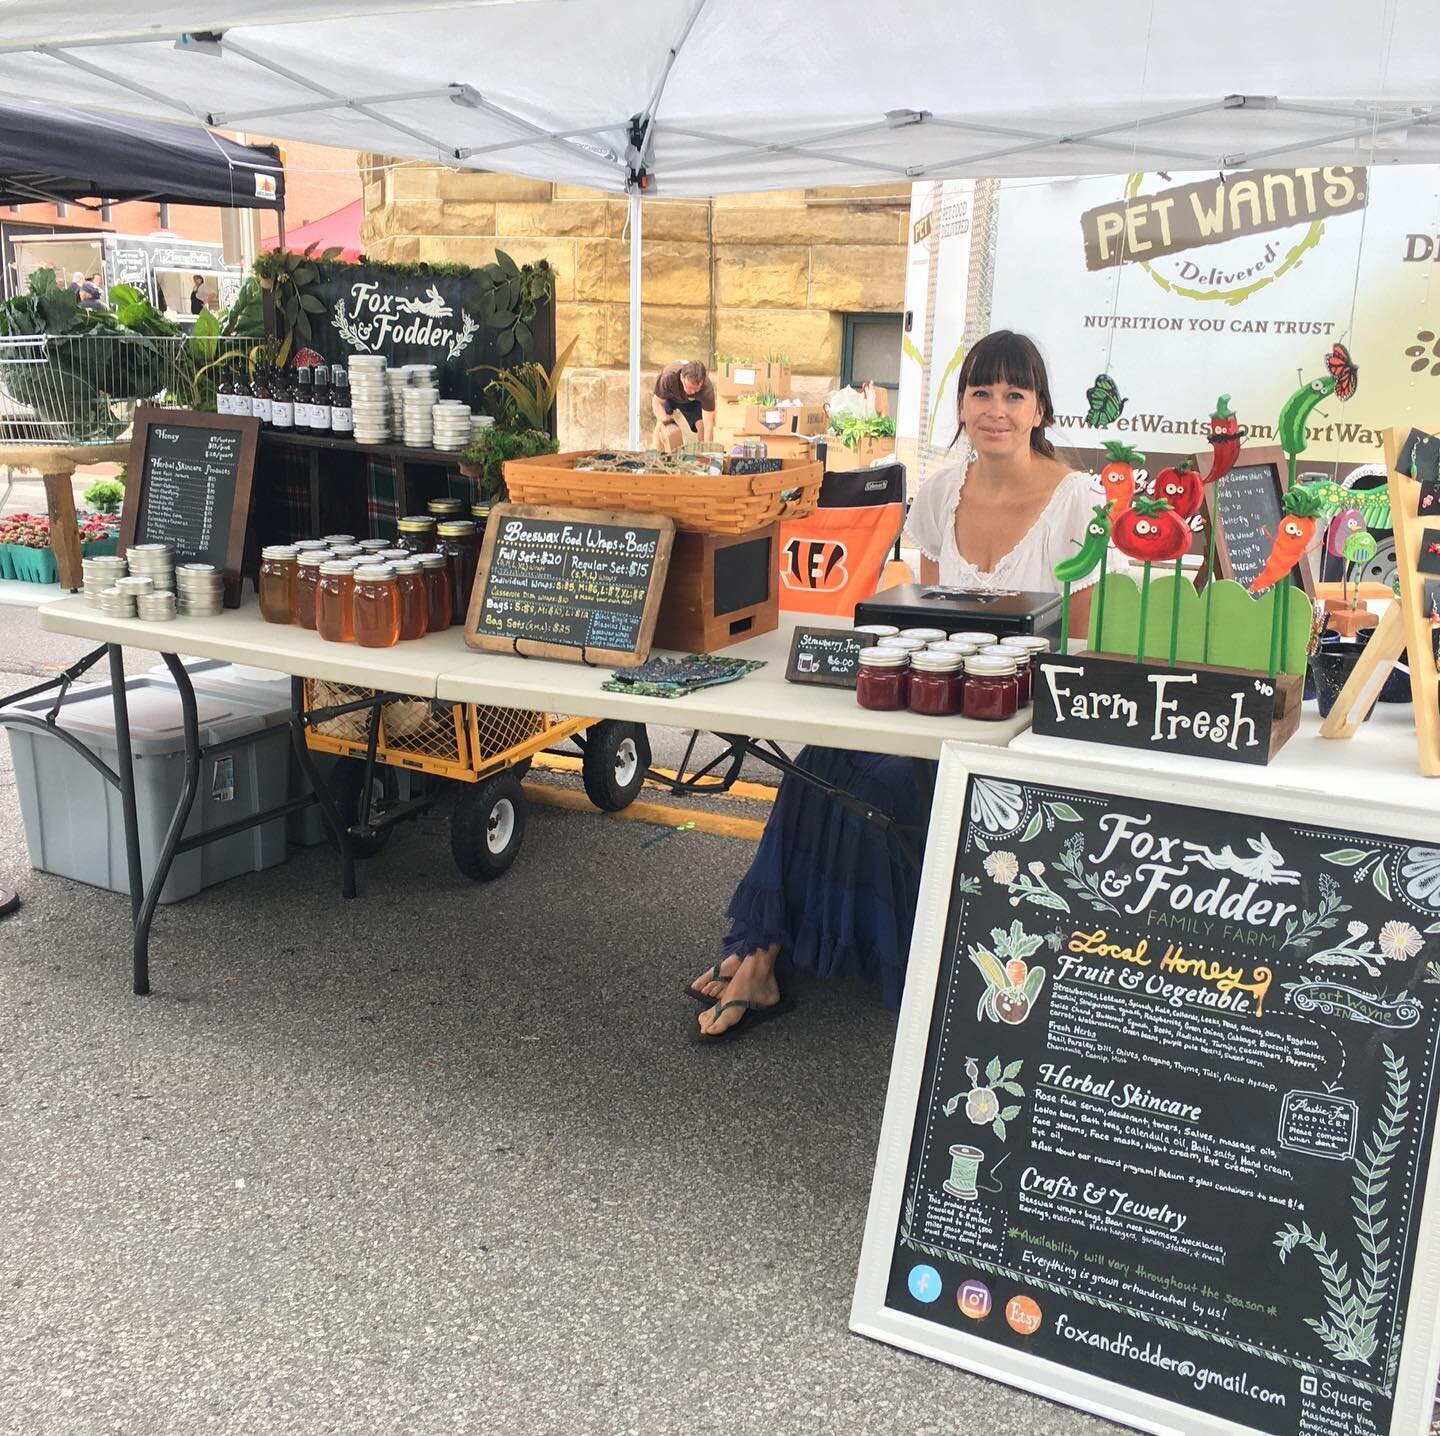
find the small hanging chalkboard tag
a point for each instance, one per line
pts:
(572, 584)
(1246, 508)
(829, 657)
(189, 484)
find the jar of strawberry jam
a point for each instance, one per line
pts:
(882, 681)
(937, 683)
(992, 693)
(1024, 672)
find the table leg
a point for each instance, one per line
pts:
(190, 726)
(125, 772)
(329, 813)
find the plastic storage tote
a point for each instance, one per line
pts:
(73, 823)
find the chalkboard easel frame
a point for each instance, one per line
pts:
(566, 652)
(1075, 1384)
(238, 520)
(1274, 457)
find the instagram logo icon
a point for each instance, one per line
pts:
(973, 1299)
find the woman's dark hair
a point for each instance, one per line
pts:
(1005, 357)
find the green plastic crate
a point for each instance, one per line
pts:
(32, 565)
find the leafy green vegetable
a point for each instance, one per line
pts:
(853, 427)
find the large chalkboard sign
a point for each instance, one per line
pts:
(569, 583)
(189, 484)
(1245, 505)
(419, 318)
(1158, 1139)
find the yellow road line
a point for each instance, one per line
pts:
(658, 813)
(565, 763)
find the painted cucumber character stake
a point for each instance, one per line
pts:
(1340, 379)
(1090, 556)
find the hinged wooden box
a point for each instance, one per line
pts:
(721, 589)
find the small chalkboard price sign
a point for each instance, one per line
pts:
(569, 583)
(1159, 1135)
(1245, 507)
(189, 484)
(829, 657)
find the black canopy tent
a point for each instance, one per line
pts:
(52, 154)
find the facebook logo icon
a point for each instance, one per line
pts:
(924, 1283)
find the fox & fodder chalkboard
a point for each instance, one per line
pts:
(189, 484)
(1158, 1137)
(569, 583)
(1245, 506)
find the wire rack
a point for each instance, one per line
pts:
(83, 388)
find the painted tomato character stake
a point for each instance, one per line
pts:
(1181, 488)
(1151, 531)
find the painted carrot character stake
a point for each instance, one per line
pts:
(1117, 478)
(1090, 556)
(1152, 532)
(1292, 538)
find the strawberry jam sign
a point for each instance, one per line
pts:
(1158, 1140)
(425, 318)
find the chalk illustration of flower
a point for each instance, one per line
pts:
(1002, 867)
(1356, 929)
(997, 806)
(982, 1106)
(1420, 877)
(1037, 868)
(1400, 939)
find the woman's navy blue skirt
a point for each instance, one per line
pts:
(830, 889)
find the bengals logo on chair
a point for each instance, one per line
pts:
(815, 565)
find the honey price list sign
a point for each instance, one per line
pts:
(569, 583)
(1159, 1144)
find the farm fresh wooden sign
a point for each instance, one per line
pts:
(1232, 714)
(1159, 1135)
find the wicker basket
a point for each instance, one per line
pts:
(725, 504)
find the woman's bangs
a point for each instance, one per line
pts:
(1004, 359)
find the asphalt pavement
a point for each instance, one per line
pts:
(439, 1159)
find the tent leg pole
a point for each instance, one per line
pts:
(635, 319)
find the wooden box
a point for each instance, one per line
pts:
(869, 450)
(721, 589)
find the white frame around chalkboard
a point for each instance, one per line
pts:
(1420, 1359)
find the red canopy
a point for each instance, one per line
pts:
(340, 228)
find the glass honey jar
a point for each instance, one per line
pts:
(277, 583)
(307, 587)
(334, 603)
(439, 594)
(376, 606)
(414, 608)
(458, 543)
(416, 534)
(444, 508)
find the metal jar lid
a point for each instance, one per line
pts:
(391, 555)
(481, 512)
(416, 524)
(333, 568)
(884, 658)
(333, 539)
(431, 560)
(936, 660)
(442, 508)
(375, 573)
(346, 550)
(1006, 650)
(1030, 642)
(979, 638)
(962, 650)
(456, 528)
(312, 545)
(409, 564)
(991, 665)
(313, 558)
(280, 550)
(904, 645)
(926, 635)
(879, 630)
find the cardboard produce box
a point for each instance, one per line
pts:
(731, 379)
(870, 450)
(759, 420)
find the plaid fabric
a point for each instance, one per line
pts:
(382, 507)
(282, 496)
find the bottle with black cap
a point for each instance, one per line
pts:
(282, 402)
(342, 416)
(320, 401)
(303, 391)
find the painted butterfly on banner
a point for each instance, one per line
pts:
(1105, 402)
(1342, 371)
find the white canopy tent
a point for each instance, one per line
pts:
(701, 97)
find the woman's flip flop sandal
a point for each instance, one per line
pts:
(754, 1015)
(714, 975)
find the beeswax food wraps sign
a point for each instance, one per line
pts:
(1174, 1115)
(569, 583)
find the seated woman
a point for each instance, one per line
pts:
(828, 892)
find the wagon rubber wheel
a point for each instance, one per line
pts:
(488, 827)
(617, 757)
(345, 781)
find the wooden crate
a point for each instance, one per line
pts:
(721, 589)
(723, 504)
(869, 450)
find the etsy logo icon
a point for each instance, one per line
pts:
(973, 1299)
(1023, 1314)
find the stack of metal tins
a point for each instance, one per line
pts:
(100, 574)
(201, 589)
(155, 561)
(369, 398)
(452, 421)
(157, 606)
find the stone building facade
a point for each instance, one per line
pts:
(743, 274)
